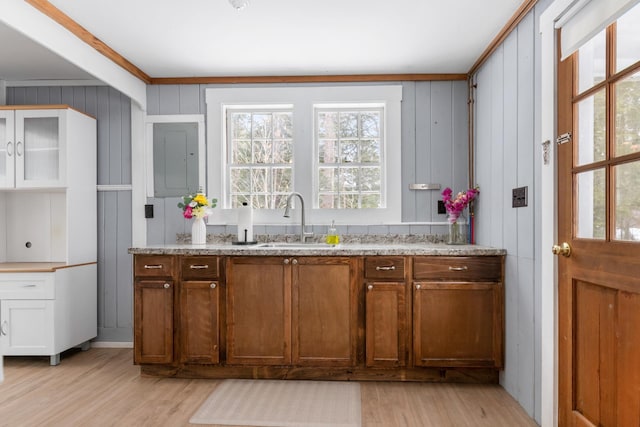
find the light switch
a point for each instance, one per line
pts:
(519, 197)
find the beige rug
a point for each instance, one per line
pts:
(282, 403)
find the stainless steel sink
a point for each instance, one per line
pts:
(296, 245)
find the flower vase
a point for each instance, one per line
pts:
(457, 231)
(199, 232)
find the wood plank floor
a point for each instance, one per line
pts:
(102, 387)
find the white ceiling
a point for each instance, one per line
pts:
(201, 38)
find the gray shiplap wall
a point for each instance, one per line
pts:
(434, 150)
(507, 155)
(113, 113)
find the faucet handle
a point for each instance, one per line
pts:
(307, 235)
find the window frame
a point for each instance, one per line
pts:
(304, 99)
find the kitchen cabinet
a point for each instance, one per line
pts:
(458, 307)
(324, 311)
(154, 288)
(199, 310)
(386, 311)
(40, 142)
(259, 310)
(47, 310)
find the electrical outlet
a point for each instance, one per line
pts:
(519, 197)
(148, 211)
(441, 209)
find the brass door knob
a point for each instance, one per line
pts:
(564, 249)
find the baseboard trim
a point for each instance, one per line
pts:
(111, 344)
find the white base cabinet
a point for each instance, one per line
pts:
(46, 313)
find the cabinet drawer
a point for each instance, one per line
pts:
(27, 286)
(200, 267)
(154, 265)
(384, 267)
(485, 268)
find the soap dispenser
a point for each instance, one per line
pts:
(332, 234)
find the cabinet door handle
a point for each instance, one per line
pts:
(370, 287)
(152, 266)
(294, 262)
(3, 328)
(418, 287)
(212, 285)
(198, 267)
(9, 149)
(166, 286)
(385, 267)
(18, 146)
(463, 268)
(286, 261)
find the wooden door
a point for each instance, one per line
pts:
(324, 311)
(199, 321)
(153, 321)
(599, 218)
(259, 311)
(386, 324)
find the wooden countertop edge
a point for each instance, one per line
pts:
(37, 267)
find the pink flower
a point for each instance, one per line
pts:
(188, 212)
(456, 206)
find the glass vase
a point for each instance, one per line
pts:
(198, 232)
(457, 231)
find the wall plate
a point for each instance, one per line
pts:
(519, 197)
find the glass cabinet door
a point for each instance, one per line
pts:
(7, 149)
(38, 148)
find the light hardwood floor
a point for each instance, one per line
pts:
(102, 387)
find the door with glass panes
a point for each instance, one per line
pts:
(599, 220)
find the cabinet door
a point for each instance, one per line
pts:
(457, 324)
(386, 325)
(40, 148)
(153, 321)
(7, 149)
(324, 311)
(27, 327)
(258, 311)
(199, 315)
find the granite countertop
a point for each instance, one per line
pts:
(315, 249)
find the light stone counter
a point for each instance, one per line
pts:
(345, 249)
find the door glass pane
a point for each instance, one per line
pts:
(627, 201)
(591, 129)
(628, 115)
(628, 39)
(41, 148)
(590, 204)
(591, 62)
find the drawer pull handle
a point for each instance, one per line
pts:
(385, 267)
(29, 286)
(212, 285)
(3, 328)
(463, 268)
(153, 266)
(166, 286)
(198, 267)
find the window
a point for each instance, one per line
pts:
(337, 146)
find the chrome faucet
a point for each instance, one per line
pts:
(287, 214)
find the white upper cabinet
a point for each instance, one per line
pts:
(38, 145)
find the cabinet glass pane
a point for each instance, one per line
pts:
(4, 141)
(591, 129)
(627, 201)
(628, 39)
(591, 204)
(628, 115)
(41, 147)
(591, 62)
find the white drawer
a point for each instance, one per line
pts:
(27, 286)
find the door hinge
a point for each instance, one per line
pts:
(564, 138)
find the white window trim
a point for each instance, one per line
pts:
(303, 100)
(149, 121)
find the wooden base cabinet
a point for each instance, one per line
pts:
(458, 322)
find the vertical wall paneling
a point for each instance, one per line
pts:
(112, 111)
(189, 99)
(422, 154)
(169, 98)
(506, 125)
(408, 150)
(460, 132)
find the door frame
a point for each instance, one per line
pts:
(548, 204)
